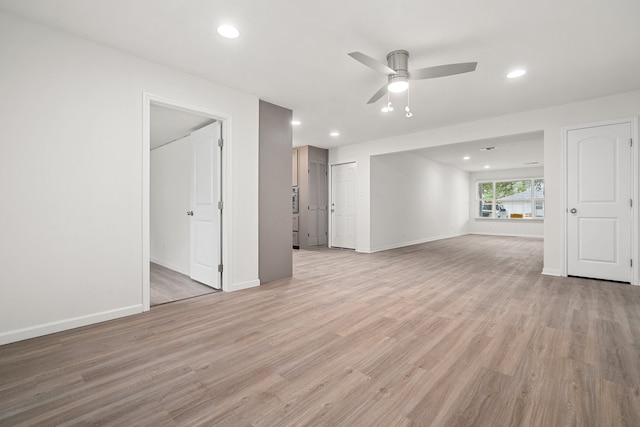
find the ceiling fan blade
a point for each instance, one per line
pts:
(379, 94)
(372, 63)
(442, 70)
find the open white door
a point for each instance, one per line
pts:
(343, 205)
(205, 215)
(599, 202)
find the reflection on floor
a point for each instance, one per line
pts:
(168, 286)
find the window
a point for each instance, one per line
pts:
(522, 198)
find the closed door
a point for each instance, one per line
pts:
(312, 217)
(318, 220)
(599, 202)
(205, 215)
(343, 205)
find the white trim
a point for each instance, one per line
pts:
(66, 324)
(244, 285)
(635, 191)
(527, 219)
(226, 197)
(146, 197)
(635, 194)
(226, 119)
(552, 272)
(533, 236)
(494, 181)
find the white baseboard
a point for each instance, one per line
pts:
(170, 266)
(551, 272)
(410, 243)
(244, 285)
(535, 236)
(66, 324)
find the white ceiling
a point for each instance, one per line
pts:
(511, 152)
(294, 53)
(168, 125)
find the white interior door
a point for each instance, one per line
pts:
(599, 202)
(205, 215)
(343, 205)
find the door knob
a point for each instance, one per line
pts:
(333, 210)
(190, 213)
(573, 210)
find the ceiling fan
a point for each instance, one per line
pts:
(397, 70)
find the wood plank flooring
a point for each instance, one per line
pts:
(169, 286)
(458, 332)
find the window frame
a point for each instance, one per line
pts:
(480, 202)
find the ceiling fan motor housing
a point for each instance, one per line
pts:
(398, 60)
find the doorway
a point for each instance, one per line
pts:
(343, 205)
(599, 196)
(182, 201)
(169, 285)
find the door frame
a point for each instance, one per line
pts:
(225, 187)
(330, 190)
(635, 192)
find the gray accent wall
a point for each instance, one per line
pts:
(274, 192)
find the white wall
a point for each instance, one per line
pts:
(550, 120)
(169, 200)
(502, 227)
(71, 164)
(415, 200)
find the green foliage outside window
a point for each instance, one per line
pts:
(516, 199)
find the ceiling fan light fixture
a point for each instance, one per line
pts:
(398, 85)
(397, 71)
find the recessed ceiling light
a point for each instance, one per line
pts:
(335, 133)
(487, 148)
(516, 73)
(295, 122)
(487, 166)
(466, 158)
(228, 31)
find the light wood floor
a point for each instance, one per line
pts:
(459, 332)
(169, 286)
